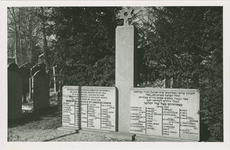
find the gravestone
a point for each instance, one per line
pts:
(25, 74)
(27, 65)
(40, 92)
(88, 107)
(14, 93)
(165, 112)
(33, 70)
(13, 67)
(38, 67)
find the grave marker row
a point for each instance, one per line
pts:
(18, 88)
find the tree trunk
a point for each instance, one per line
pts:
(45, 41)
(16, 35)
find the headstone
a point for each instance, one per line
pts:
(33, 70)
(13, 67)
(40, 94)
(41, 58)
(27, 65)
(126, 72)
(38, 67)
(42, 66)
(165, 112)
(14, 94)
(25, 74)
(89, 107)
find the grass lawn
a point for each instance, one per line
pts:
(34, 126)
(41, 126)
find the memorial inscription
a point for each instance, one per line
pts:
(165, 112)
(94, 107)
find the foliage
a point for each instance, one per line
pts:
(185, 43)
(24, 34)
(84, 44)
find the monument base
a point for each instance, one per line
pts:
(84, 130)
(93, 131)
(72, 129)
(151, 138)
(121, 135)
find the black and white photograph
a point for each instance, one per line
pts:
(133, 74)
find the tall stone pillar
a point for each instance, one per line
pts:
(125, 72)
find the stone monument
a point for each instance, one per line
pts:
(38, 67)
(33, 70)
(126, 70)
(161, 114)
(13, 67)
(25, 75)
(40, 92)
(14, 92)
(28, 65)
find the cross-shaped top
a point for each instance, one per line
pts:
(125, 14)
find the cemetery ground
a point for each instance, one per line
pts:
(41, 126)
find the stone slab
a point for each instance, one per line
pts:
(165, 112)
(121, 135)
(89, 107)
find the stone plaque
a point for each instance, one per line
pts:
(89, 107)
(165, 112)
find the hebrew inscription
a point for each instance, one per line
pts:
(165, 112)
(89, 107)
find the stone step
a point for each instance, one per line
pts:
(72, 129)
(121, 135)
(93, 131)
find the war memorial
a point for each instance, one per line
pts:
(127, 111)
